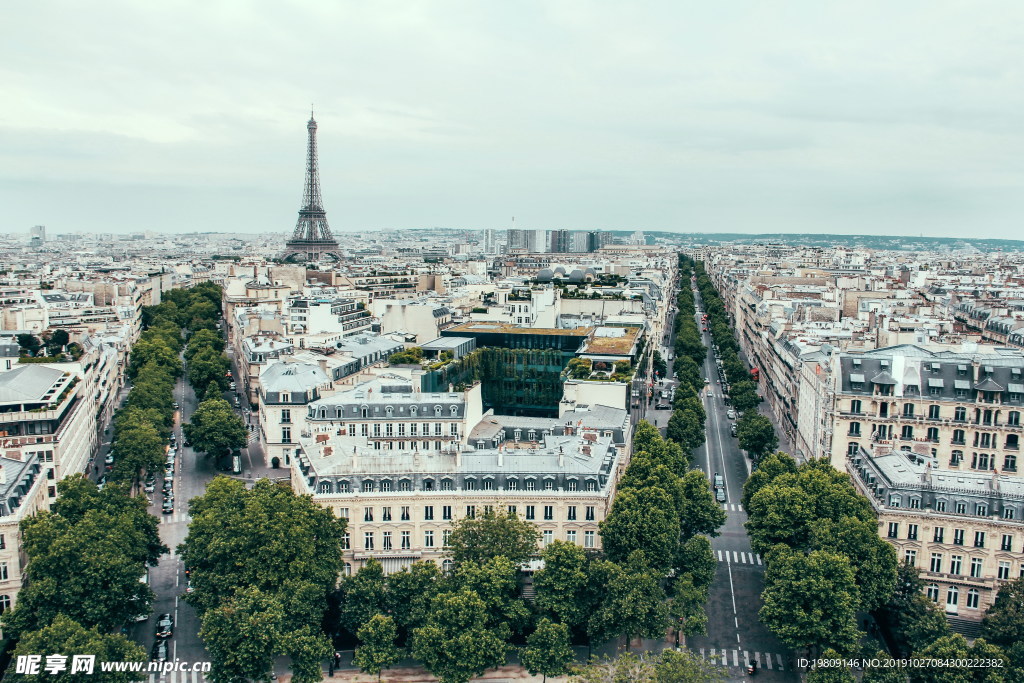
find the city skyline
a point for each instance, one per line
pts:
(866, 120)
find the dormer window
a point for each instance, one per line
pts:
(437, 411)
(286, 397)
(455, 411)
(413, 410)
(389, 411)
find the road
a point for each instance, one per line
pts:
(735, 635)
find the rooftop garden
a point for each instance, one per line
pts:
(599, 371)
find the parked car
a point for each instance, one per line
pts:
(731, 414)
(175, 405)
(733, 430)
(169, 470)
(661, 406)
(165, 626)
(168, 507)
(189, 587)
(150, 487)
(109, 460)
(159, 653)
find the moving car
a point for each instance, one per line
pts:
(719, 482)
(159, 653)
(168, 507)
(109, 460)
(720, 495)
(733, 430)
(175, 405)
(661, 406)
(165, 626)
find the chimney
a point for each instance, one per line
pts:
(458, 455)
(323, 365)
(501, 456)
(3, 475)
(561, 457)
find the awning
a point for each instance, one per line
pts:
(932, 382)
(936, 366)
(1015, 388)
(883, 378)
(961, 384)
(856, 377)
(961, 368)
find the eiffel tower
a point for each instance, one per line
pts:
(312, 238)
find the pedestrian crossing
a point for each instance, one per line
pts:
(765, 660)
(254, 436)
(178, 677)
(732, 507)
(175, 517)
(735, 557)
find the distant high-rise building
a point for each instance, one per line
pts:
(490, 241)
(38, 232)
(519, 239)
(312, 238)
(639, 238)
(560, 241)
(596, 239)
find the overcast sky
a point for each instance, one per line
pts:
(887, 117)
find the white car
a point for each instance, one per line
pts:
(731, 414)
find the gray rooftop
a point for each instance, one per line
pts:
(28, 384)
(292, 377)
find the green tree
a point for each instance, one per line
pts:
(242, 635)
(493, 534)
(686, 607)
(562, 585)
(887, 670)
(743, 395)
(642, 520)
(810, 600)
(215, 429)
(683, 666)
(308, 647)
(139, 447)
(455, 644)
(954, 649)
(86, 563)
(547, 650)
(213, 392)
(756, 434)
(363, 596)
(633, 604)
(768, 468)
(701, 513)
(270, 540)
(208, 366)
(696, 558)
(873, 560)
(29, 343)
(685, 428)
(204, 339)
(57, 341)
(495, 581)
(410, 592)
(377, 650)
(830, 674)
(68, 637)
(1004, 621)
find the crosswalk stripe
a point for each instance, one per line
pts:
(768, 659)
(725, 657)
(740, 508)
(779, 657)
(739, 658)
(735, 557)
(746, 658)
(725, 508)
(735, 658)
(719, 555)
(758, 556)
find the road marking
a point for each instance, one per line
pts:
(720, 556)
(768, 659)
(735, 658)
(779, 657)
(735, 556)
(758, 556)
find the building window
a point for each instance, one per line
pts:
(958, 437)
(414, 429)
(912, 532)
(933, 592)
(933, 434)
(367, 514)
(549, 512)
(530, 511)
(364, 429)
(908, 410)
(588, 539)
(385, 514)
(446, 538)
(548, 537)
(940, 506)
(940, 532)
(910, 557)
(469, 484)
(367, 486)
(961, 508)
(548, 485)
(976, 567)
(512, 484)
(894, 501)
(428, 512)
(385, 486)
(979, 539)
(437, 429)
(855, 406)
(531, 485)
(428, 484)
(389, 429)
(286, 416)
(1007, 543)
(405, 513)
(286, 434)
(972, 598)
(446, 485)
(3, 542)
(368, 540)
(907, 433)
(915, 503)
(952, 598)
(571, 513)
(1013, 419)
(933, 412)
(936, 565)
(1003, 572)
(406, 540)
(590, 513)
(471, 512)
(428, 539)
(572, 484)
(347, 569)
(854, 429)
(958, 536)
(376, 429)
(956, 564)
(1010, 463)
(405, 486)
(387, 540)
(570, 536)
(447, 566)
(488, 484)
(346, 541)
(955, 458)
(446, 512)
(960, 414)
(512, 511)
(894, 529)
(401, 429)
(981, 510)
(591, 485)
